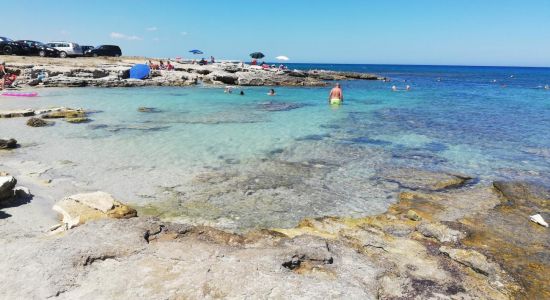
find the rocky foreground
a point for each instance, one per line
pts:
(114, 72)
(448, 237)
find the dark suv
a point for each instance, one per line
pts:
(36, 48)
(104, 50)
(9, 47)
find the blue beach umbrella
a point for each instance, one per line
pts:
(196, 51)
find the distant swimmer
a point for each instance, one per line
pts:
(336, 95)
(547, 87)
(271, 92)
(241, 93)
(494, 80)
(228, 90)
(394, 88)
(408, 87)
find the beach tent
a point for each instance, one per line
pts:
(139, 71)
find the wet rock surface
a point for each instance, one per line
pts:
(456, 249)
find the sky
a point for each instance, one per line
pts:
(425, 32)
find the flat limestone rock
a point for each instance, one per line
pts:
(81, 208)
(471, 258)
(96, 200)
(440, 232)
(524, 193)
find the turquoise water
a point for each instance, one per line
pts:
(244, 161)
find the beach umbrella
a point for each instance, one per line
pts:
(257, 55)
(282, 57)
(196, 51)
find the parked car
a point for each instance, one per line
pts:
(104, 50)
(8, 46)
(86, 48)
(66, 48)
(36, 48)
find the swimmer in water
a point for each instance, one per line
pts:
(271, 92)
(408, 87)
(336, 95)
(394, 88)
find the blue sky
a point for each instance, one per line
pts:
(480, 32)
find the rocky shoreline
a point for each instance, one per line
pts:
(114, 72)
(448, 237)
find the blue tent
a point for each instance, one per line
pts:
(139, 71)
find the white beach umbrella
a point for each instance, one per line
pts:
(282, 57)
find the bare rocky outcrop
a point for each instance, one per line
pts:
(81, 208)
(104, 72)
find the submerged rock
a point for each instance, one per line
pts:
(8, 143)
(37, 122)
(416, 179)
(78, 120)
(279, 106)
(148, 109)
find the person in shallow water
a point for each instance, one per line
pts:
(271, 92)
(336, 95)
(241, 93)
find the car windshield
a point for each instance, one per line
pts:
(98, 46)
(39, 44)
(6, 39)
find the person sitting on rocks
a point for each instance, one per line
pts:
(203, 62)
(169, 66)
(10, 80)
(161, 65)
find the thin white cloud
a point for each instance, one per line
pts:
(153, 28)
(183, 33)
(122, 36)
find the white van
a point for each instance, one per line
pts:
(66, 48)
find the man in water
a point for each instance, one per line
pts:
(336, 96)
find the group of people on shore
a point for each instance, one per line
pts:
(264, 65)
(161, 65)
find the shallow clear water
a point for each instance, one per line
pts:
(244, 161)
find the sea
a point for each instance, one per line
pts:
(246, 161)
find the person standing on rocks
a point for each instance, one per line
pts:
(336, 95)
(2, 74)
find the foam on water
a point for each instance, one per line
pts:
(255, 160)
